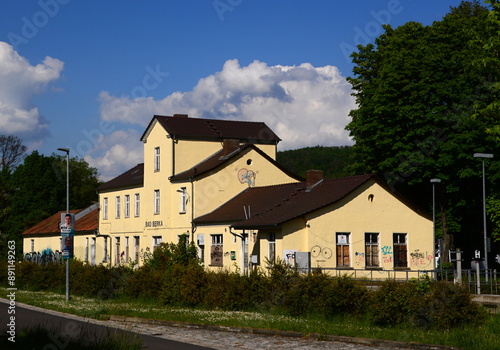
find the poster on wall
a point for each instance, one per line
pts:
(289, 256)
(67, 226)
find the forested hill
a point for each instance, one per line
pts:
(332, 160)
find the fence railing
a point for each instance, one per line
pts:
(486, 282)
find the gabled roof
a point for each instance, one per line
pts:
(131, 178)
(218, 159)
(86, 223)
(271, 206)
(184, 127)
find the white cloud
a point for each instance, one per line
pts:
(116, 153)
(304, 105)
(20, 82)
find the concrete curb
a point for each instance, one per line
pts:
(272, 332)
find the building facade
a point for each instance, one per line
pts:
(218, 182)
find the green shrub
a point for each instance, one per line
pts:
(394, 303)
(343, 295)
(445, 306)
(144, 282)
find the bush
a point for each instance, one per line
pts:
(426, 304)
(343, 295)
(447, 305)
(144, 282)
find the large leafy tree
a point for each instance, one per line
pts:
(38, 190)
(418, 91)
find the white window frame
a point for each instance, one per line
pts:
(216, 249)
(117, 251)
(398, 249)
(127, 206)
(156, 242)
(86, 258)
(93, 251)
(271, 247)
(105, 208)
(341, 244)
(157, 159)
(137, 205)
(183, 201)
(372, 260)
(157, 202)
(126, 249)
(137, 248)
(117, 206)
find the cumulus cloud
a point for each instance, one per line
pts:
(20, 82)
(304, 105)
(115, 153)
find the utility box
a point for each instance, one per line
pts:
(303, 261)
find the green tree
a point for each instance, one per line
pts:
(38, 190)
(334, 161)
(418, 95)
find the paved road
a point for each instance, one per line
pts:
(70, 325)
(170, 336)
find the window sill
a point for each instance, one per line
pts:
(402, 269)
(344, 268)
(373, 268)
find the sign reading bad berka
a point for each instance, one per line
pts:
(157, 223)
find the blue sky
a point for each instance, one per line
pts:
(89, 75)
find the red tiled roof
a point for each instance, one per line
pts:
(274, 205)
(198, 128)
(88, 222)
(217, 159)
(131, 178)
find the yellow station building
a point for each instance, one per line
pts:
(218, 182)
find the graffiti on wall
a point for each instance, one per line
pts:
(421, 259)
(47, 256)
(359, 258)
(321, 252)
(246, 176)
(387, 254)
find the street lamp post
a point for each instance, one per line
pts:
(67, 212)
(434, 181)
(483, 156)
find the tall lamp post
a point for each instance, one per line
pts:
(67, 212)
(434, 182)
(483, 156)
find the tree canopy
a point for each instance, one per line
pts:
(426, 104)
(36, 189)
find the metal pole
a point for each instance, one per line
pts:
(484, 227)
(434, 181)
(483, 156)
(67, 212)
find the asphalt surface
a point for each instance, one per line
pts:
(176, 336)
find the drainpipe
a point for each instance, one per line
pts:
(193, 226)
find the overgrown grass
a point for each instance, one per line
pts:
(476, 337)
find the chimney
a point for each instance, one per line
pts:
(180, 115)
(229, 146)
(313, 177)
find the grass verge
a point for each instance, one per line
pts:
(472, 337)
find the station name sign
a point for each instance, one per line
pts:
(157, 223)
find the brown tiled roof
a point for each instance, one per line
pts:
(218, 159)
(131, 178)
(87, 223)
(198, 128)
(274, 205)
